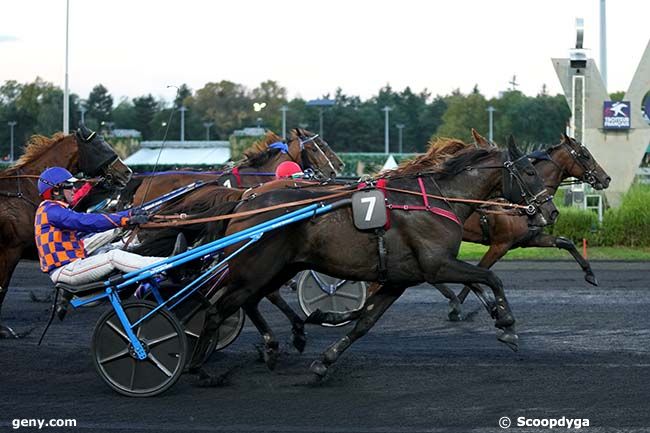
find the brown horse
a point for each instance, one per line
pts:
(211, 196)
(82, 152)
(503, 232)
(303, 147)
(421, 245)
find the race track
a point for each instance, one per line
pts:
(584, 353)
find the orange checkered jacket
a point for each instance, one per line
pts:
(58, 232)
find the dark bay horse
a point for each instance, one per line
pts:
(84, 152)
(503, 232)
(421, 245)
(303, 147)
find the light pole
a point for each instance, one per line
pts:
(11, 140)
(491, 111)
(66, 91)
(386, 110)
(183, 109)
(400, 127)
(284, 110)
(321, 104)
(207, 126)
(259, 122)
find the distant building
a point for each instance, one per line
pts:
(126, 133)
(180, 154)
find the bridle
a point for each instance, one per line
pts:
(515, 189)
(320, 150)
(579, 158)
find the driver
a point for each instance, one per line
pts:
(58, 231)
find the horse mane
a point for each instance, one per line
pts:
(440, 150)
(262, 145)
(259, 153)
(35, 148)
(445, 157)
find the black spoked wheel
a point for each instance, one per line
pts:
(163, 338)
(230, 329)
(318, 291)
(192, 315)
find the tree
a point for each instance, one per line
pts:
(463, 113)
(145, 108)
(99, 107)
(275, 96)
(225, 103)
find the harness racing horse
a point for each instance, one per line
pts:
(310, 151)
(503, 232)
(85, 152)
(420, 246)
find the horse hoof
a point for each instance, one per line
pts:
(510, 339)
(271, 357)
(318, 368)
(299, 341)
(591, 279)
(454, 313)
(315, 318)
(504, 321)
(6, 333)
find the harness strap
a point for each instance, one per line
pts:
(485, 227)
(425, 198)
(382, 269)
(235, 172)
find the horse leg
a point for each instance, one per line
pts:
(491, 256)
(319, 317)
(544, 240)
(7, 265)
(271, 346)
(456, 271)
(299, 339)
(373, 309)
(454, 313)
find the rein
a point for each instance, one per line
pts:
(182, 219)
(459, 200)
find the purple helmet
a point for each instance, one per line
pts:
(52, 177)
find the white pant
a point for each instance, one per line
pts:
(93, 268)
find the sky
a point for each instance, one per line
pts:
(313, 47)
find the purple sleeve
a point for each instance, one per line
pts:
(86, 222)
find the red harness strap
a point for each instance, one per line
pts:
(235, 172)
(381, 185)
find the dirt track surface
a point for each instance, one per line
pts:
(584, 353)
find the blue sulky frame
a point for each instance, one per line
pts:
(251, 235)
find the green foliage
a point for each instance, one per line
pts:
(464, 112)
(617, 96)
(100, 107)
(628, 224)
(575, 224)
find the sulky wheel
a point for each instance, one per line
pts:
(318, 291)
(163, 339)
(230, 329)
(192, 314)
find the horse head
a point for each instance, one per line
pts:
(576, 161)
(315, 153)
(97, 158)
(523, 185)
